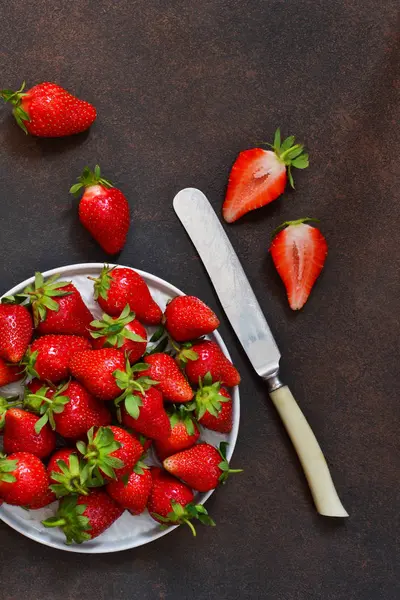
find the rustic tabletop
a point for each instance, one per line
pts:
(180, 89)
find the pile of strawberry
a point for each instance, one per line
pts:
(98, 393)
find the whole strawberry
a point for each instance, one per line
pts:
(110, 453)
(202, 467)
(67, 473)
(214, 406)
(118, 286)
(132, 492)
(172, 383)
(211, 359)
(71, 410)
(23, 479)
(48, 357)
(103, 210)
(95, 368)
(145, 413)
(171, 502)
(22, 434)
(15, 331)
(83, 518)
(184, 434)
(8, 373)
(187, 318)
(124, 332)
(58, 307)
(47, 110)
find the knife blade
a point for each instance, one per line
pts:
(247, 319)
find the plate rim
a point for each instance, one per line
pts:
(81, 549)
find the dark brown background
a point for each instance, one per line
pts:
(181, 88)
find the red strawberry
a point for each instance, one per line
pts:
(58, 307)
(202, 467)
(172, 382)
(103, 210)
(211, 359)
(184, 434)
(71, 410)
(213, 406)
(132, 493)
(47, 498)
(5, 405)
(299, 252)
(111, 452)
(259, 176)
(95, 368)
(23, 479)
(15, 331)
(118, 286)
(187, 318)
(146, 414)
(125, 333)
(48, 357)
(47, 110)
(9, 374)
(67, 473)
(21, 434)
(170, 502)
(83, 518)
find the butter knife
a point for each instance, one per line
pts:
(246, 317)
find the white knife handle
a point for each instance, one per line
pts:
(310, 454)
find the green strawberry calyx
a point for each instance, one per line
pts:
(180, 515)
(97, 454)
(41, 295)
(46, 407)
(70, 518)
(224, 465)
(184, 352)
(89, 178)
(103, 282)
(15, 98)
(291, 154)
(7, 467)
(131, 386)
(73, 478)
(208, 397)
(115, 330)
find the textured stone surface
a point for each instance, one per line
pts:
(180, 89)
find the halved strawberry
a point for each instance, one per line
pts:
(259, 176)
(299, 252)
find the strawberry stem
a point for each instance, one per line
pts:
(191, 526)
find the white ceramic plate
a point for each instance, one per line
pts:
(129, 531)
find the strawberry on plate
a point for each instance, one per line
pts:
(211, 359)
(259, 176)
(145, 413)
(214, 408)
(184, 434)
(95, 368)
(15, 331)
(132, 491)
(23, 479)
(299, 252)
(21, 434)
(119, 286)
(172, 382)
(124, 332)
(103, 210)
(84, 518)
(188, 318)
(48, 110)
(9, 373)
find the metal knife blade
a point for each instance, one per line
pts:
(229, 280)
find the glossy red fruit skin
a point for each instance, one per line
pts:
(54, 112)
(178, 440)
(128, 287)
(9, 374)
(62, 454)
(31, 481)
(73, 316)
(135, 350)
(211, 359)
(153, 421)
(188, 318)
(20, 435)
(95, 368)
(101, 510)
(134, 494)
(82, 412)
(197, 466)
(130, 452)
(47, 498)
(172, 383)
(164, 489)
(224, 422)
(54, 353)
(16, 329)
